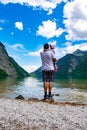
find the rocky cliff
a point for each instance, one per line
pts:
(8, 66)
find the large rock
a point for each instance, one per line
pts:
(20, 97)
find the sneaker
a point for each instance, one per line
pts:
(50, 97)
(45, 96)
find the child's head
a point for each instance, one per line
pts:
(52, 46)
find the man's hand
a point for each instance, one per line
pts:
(55, 60)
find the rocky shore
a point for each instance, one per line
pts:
(40, 115)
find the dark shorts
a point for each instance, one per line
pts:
(47, 76)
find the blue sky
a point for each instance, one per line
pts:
(25, 25)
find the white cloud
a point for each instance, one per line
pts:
(68, 44)
(75, 13)
(19, 25)
(49, 29)
(83, 46)
(36, 53)
(60, 52)
(47, 5)
(29, 30)
(2, 21)
(1, 28)
(52, 43)
(50, 12)
(17, 47)
(30, 68)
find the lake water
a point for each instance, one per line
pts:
(68, 90)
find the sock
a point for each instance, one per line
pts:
(45, 93)
(49, 93)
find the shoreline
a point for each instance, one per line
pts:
(17, 114)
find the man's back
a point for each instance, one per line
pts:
(47, 60)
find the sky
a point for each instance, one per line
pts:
(26, 25)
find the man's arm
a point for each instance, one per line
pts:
(54, 58)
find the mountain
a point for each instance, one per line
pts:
(80, 53)
(70, 66)
(37, 73)
(8, 66)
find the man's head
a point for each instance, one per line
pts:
(46, 46)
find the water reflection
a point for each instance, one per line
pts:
(72, 83)
(28, 87)
(7, 87)
(68, 90)
(6, 84)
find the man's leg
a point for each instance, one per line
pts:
(45, 84)
(50, 88)
(51, 76)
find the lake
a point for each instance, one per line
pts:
(71, 90)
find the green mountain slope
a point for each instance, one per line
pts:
(72, 66)
(3, 74)
(20, 71)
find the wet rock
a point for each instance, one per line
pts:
(33, 99)
(20, 97)
(48, 100)
(57, 94)
(53, 94)
(72, 88)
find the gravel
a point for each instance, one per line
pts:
(38, 115)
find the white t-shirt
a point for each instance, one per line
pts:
(47, 60)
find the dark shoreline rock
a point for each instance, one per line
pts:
(20, 97)
(33, 99)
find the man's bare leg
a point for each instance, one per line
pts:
(50, 88)
(45, 84)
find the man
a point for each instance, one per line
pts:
(47, 57)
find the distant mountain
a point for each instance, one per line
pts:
(37, 73)
(70, 66)
(80, 53)
(8, 66)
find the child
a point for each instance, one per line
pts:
(53, 50)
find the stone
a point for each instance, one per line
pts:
(20, 97)
(33, 99)
(56, 94)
